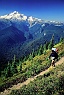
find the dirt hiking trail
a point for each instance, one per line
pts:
(8, 91)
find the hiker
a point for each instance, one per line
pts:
(53, 56)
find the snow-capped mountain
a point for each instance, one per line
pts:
(20, 19)
(24, 23)
(21, 34)
(17, 16)
(14, 15)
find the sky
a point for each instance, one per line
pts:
(42, 9)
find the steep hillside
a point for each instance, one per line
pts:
(49, 82)
(11, 35)
(30, 68)
(8, 38)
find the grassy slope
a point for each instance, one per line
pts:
(51, 83)
(30, 68)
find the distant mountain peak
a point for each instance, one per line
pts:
(15, 12)
(14, 15)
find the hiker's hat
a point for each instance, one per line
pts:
(54, 49)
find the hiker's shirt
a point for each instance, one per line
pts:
(53, 55)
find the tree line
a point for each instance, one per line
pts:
(15, 66)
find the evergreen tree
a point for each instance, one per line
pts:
(51, 44)
(25, 58)
(33, 53)
(0, 73)
(8, 72)
(44, 48)
(61, 39)
(14, 66)
(30, 57)
(20, 64)
(40, 51)
(36, 53)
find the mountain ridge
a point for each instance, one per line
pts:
(18, 16)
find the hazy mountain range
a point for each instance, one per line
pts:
(20, 34)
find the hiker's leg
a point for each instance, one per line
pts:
(52, 62)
